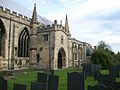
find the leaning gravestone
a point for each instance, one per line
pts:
(3, 84)
(75, 81)
(38, 86)
(53, 82)
(42, 77)
(19, 87)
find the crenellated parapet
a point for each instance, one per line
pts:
(14, 14)
(54, 27)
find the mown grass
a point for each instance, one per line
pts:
(30, 75)
(23, 78)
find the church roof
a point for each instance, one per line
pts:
(9, 4)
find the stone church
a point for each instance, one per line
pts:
(28, 39)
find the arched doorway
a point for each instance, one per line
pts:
(2, 39)
(61, 58)
(23, 43)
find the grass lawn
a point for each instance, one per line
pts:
(26, 78)
(23, 78)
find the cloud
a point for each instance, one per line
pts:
(92, 21)
(89, 20)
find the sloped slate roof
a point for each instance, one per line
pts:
(9, 4)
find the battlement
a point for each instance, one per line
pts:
(13, 13)
(54, 26)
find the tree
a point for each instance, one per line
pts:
(103, 56)
(117, 56)
(103, 45)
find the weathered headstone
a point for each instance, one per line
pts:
(75, 81)
(3, 84)
(19, 87)
(87, 68)
(106, 79)
(95, 68)
(96, 75)
(38, 86)
(53, 82)
(42, 77)
(90, 69)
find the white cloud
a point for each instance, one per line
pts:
(90, 20)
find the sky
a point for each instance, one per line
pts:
(90, 21)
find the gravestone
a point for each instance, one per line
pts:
(95, 68)
(38, 86)
(106, 79)
(53, 82)
(42, 77)
(75, 81)
(90, 69)
(19, 87)
(87, 68)
(114, 70)
(96, 75)
(3, 84)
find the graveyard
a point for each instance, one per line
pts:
(66, 79)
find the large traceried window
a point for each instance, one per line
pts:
(23, 44)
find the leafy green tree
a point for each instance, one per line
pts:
(103, 55)
(103, 45)
(117, 56)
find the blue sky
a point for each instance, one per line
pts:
(89, 20)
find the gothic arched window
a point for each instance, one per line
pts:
(23, 43)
